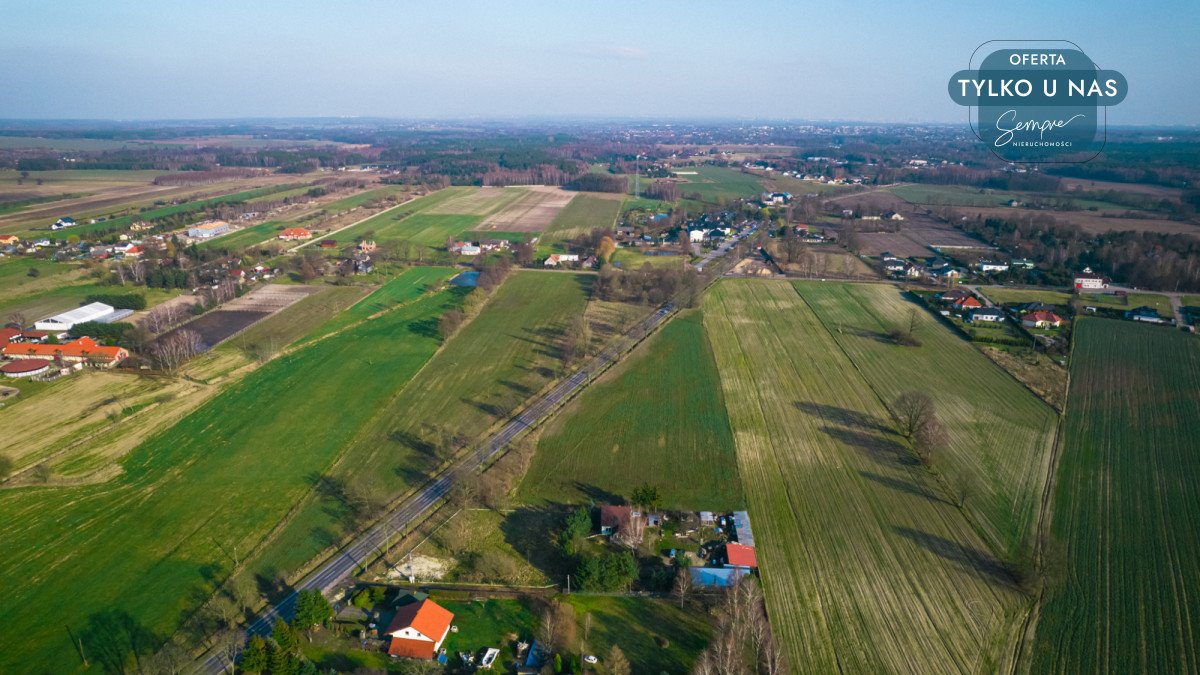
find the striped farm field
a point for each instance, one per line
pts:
(1000, 434)
(390, 224)
(1127, 507)
(867, 567)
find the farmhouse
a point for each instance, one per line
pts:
(328, 243)
(367, 246)
(85, 349)
(740, 555)
(969, 302)
(988, 314)
(1087, 279)
(63, 223)
(97, 311)
(892, 215)
(1041, 320)
(613, 517)
(208, 230)
(695, 236)
(9, 240)
(418, 629)
(295, 234)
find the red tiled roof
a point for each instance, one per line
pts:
(296, 232)
(614, 516)
(740, 555)
(1042, 316)
(425, 616)
(81, 348)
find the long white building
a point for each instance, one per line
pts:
(97, 311)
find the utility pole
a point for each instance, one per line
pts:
(637, 176)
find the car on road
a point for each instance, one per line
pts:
(590, 659)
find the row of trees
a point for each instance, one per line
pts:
(280, 653)
(743, 643)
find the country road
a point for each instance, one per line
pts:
(366, 547)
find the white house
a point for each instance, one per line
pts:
(989, 314)
(695, 236)
(418, 629)
(991, 266)
(1088, 280)
(62, 223)
(59, 323)
(208, 230)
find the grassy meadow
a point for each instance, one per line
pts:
(1000, 434)
(714, 183)
(660, 415)
(866, 566)
(1126, 507)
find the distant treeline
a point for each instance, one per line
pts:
(599, 182)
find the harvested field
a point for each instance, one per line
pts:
(239, 314)
(866, 564)
(1159, 191)
(896, 243)
(1126, 507)
(1092, 222)
(533, 212)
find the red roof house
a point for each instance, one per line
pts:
(1041, 320)
(418, 629)
(740, 555)
(291, 233)
(969, 302)
(613, 517)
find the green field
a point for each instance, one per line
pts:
(716, 182)
(659, 416)
(1161, 303)
(15, 279)
(960, 195)
(355, 201)
(1002, 295)
(1126, 507)
(867, 566)
(1000, 434)
(495, 362)
(389, 225)
(217, 481)
(583, 214)
(403, 288)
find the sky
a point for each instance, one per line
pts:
(865, 61)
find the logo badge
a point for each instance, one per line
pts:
(1038, 103)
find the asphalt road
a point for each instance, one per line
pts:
(368, 545)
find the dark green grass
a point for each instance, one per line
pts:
(661, 419)
(1127, 507)
(244, 238)
(153, 543)
(404, 287)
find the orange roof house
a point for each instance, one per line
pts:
(418, 629)
(83, 349)
(292, 233)
(969, 302)
(1041, 320)
(740, 555)
(7, 239)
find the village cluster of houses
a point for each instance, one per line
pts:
(933, 268)
(469, 248)
(971, 309)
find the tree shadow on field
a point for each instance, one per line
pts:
(882, 450)
(532, 532)
(116, 641)
(902, 486)
(598, 494)
(271, 585)
(425, 328)
(845, 417)
(966, 557)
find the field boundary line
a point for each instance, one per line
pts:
(1028, 632)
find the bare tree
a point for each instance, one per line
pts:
(912, 409)
(929, 438)
(17, 320)
(683, 584)
(172, 350)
